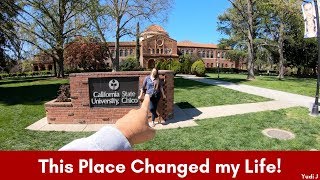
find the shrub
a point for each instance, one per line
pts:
(64, 93)
(158, 64)
(130, 64)
(175, 66)
(186, 63)
(164, 65)
(198, 68)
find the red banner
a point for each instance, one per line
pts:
(160, 165)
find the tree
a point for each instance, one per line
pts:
(8, 38)
(122, 15)
(49, 24)
(138, 43)
(240, 23)
(277, 20)
(86, 53)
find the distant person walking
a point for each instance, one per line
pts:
(153, 87)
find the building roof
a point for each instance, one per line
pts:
(155, 29)
(198, 45)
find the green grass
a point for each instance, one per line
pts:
(303, 86)
(190, 94)
(21, 104)
(242, 132)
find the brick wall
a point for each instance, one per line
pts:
(79, 111)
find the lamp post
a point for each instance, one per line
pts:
(315, 108)
(218, 69)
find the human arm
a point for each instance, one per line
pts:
(143, 89)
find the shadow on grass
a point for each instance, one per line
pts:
(185, 84)
(22, 80)
(34, 94)
(233, 80)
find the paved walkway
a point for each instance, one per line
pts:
(299, 100)
(186, 117)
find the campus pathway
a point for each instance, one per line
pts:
(186, 117)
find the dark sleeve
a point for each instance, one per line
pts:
(161, 83)
(144, 85)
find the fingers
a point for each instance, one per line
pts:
(145, 103)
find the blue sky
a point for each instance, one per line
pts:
(196, 20)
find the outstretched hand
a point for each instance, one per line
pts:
(135, 126)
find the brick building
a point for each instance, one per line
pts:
(156, 44)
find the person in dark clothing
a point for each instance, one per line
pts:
(153, 86)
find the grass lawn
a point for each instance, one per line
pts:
(303, 86)
(190, 94)
(21, 104)
(242, 132)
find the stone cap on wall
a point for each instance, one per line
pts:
(120, 73)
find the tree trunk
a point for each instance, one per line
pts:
(281, 52)
(138, 43)
(60, 63)
(251, 54)
(54, 67)
(115, 66)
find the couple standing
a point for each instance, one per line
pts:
(154, 87)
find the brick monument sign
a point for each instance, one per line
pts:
(103, 98)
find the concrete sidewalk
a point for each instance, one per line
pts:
(280, 96)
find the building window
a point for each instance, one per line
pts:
(121, 53)
(152, 51)
(199, 53)
(131, 51)
(187, 52)
(158, 51)
(211, 54)
(161, 51)
(208, 54)
(203, 54)
(211, 65)
(218, 55)
(182, 51)
(207, 65)
(226, 65)
(191, 52)
(222, 65)
(125, 53)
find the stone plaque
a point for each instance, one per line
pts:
(113, 92)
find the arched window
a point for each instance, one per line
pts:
(158, 51)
